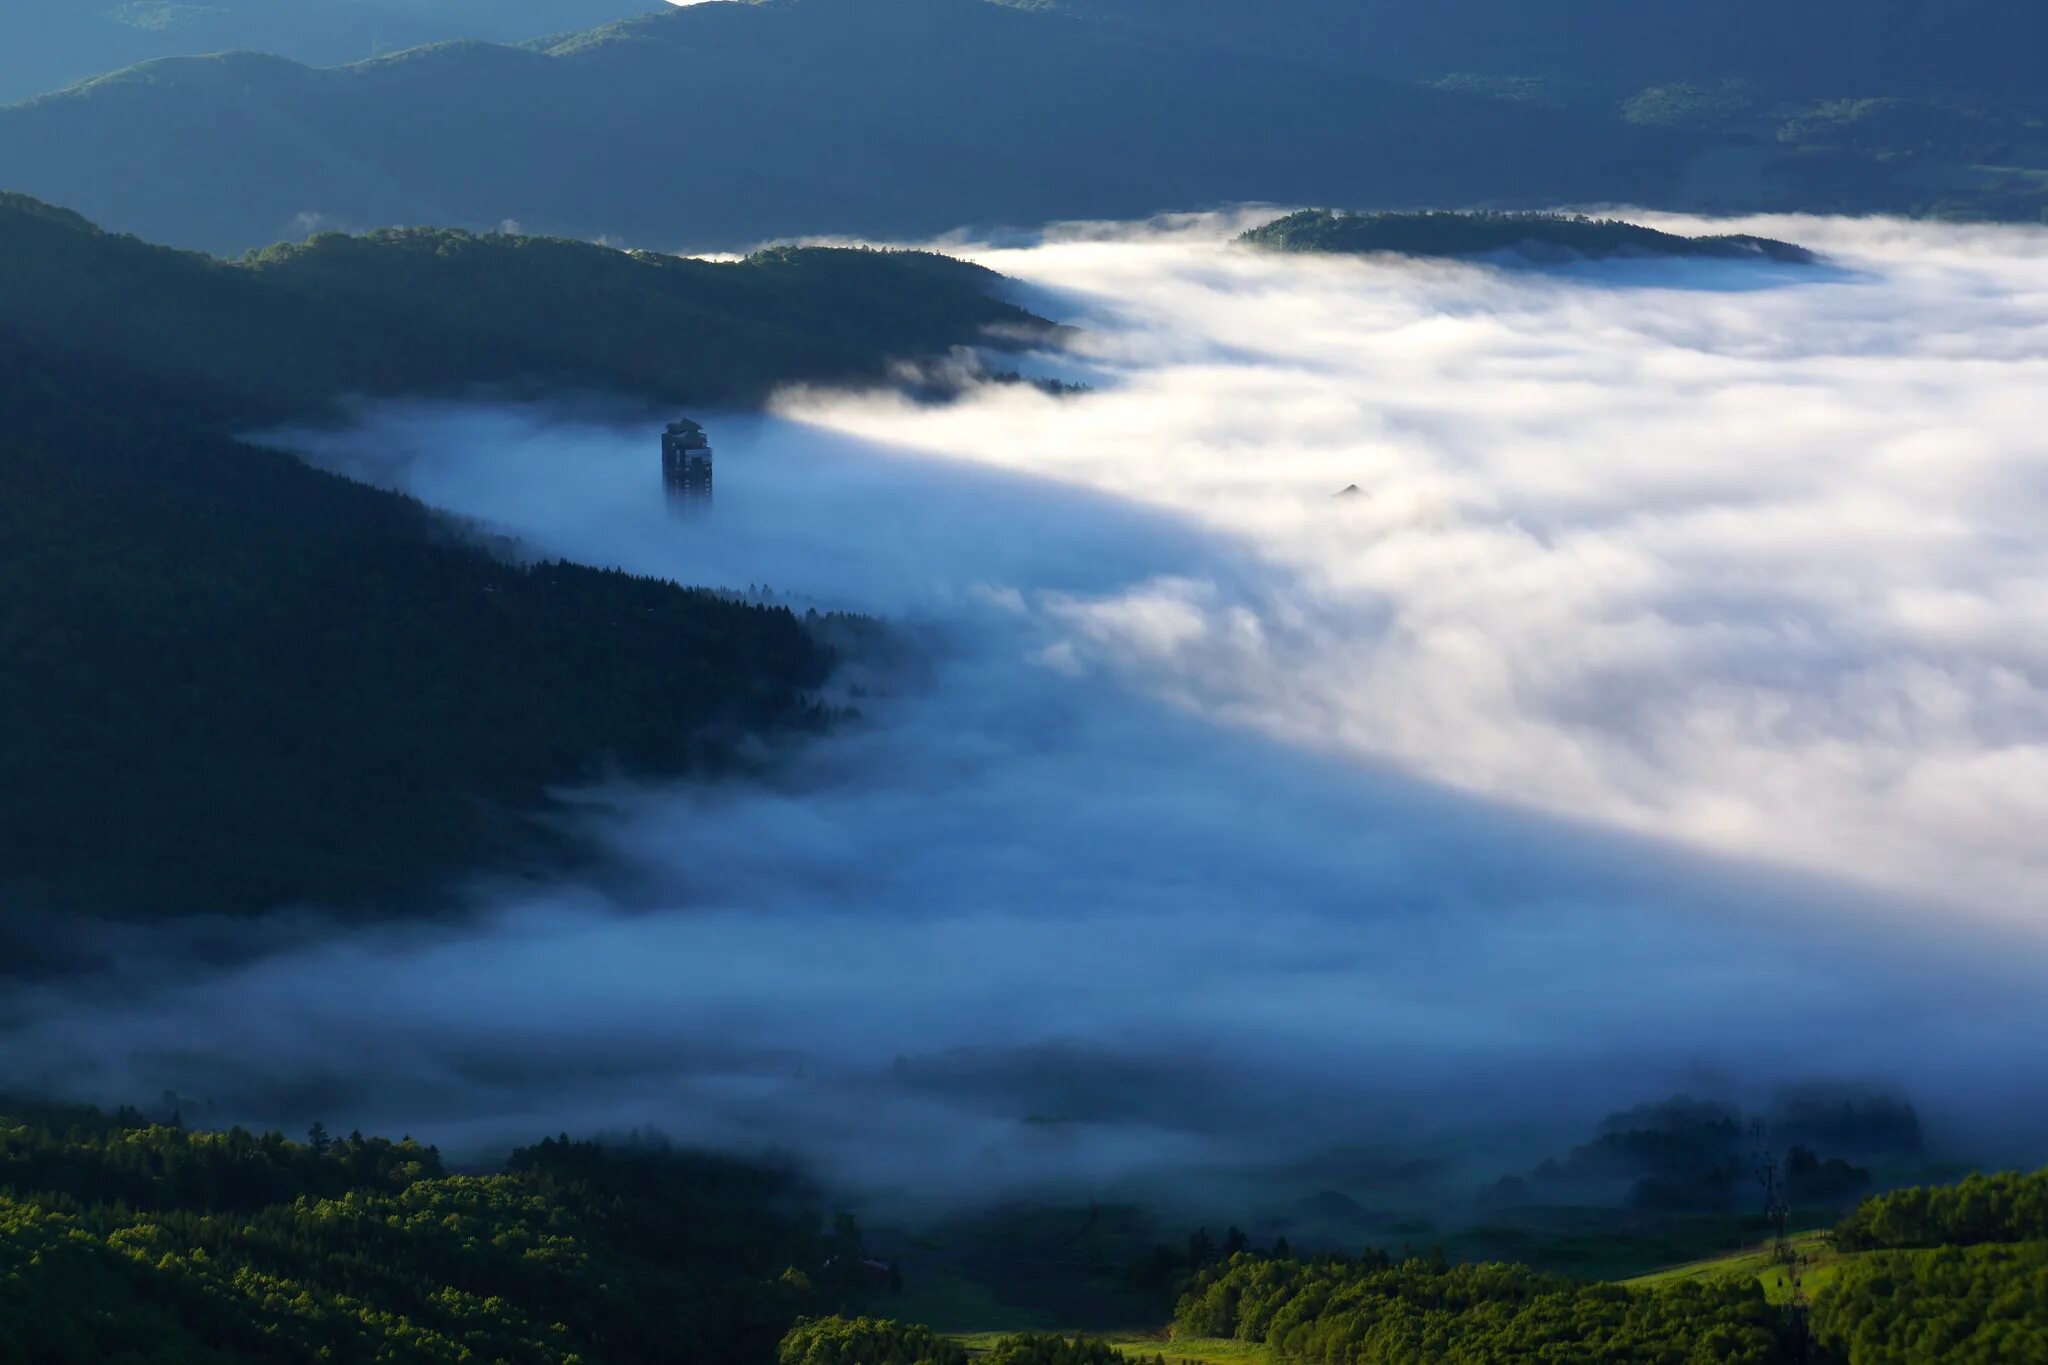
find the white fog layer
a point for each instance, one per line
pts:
(1667, 710)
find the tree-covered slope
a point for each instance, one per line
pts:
(1947, 1272)
(722, 124)
(233, 681)
(1539, 236)
(46, 44)
(1978, 1305)
(1371, 1310)
(122, 1240)
(125, 1241)
(2005, 1207)
(1955, 1273)
(424, 311)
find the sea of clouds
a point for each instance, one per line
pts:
(1666, 710)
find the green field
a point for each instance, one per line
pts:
(1819, 1263)
(1146, 1346)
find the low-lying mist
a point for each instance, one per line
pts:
(1666, 710)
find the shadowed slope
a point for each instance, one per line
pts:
(233, 680)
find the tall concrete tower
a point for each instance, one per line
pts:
(686, 463)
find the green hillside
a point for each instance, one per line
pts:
(1955, 1273)
(126, 1239)
(235, 682)
(1819, 1262)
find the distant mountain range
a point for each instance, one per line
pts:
(47, 44)
(1979, 49)
(724, 124)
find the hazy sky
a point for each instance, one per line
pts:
(1666, 711)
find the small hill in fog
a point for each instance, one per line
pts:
(1537, 236)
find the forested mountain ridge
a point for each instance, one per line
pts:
(1980, 48)
(47, 44)
(724, 124)
(234, 681)
(428, 310)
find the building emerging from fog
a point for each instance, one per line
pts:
(686, 463)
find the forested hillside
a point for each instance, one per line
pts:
(127, 1240)
(1370, 1310)
(1945, 1273)
(124, 1240)
(234, 681)
(1954, 1272)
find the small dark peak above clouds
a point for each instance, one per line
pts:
(1541, 238)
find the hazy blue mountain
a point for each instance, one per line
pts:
(47, 44)
(1979, 48)
(724, 124)
(1901, 106)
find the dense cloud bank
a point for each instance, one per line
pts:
(1665, 711)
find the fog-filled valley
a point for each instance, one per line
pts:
(1395, 709)
(1023, 682)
